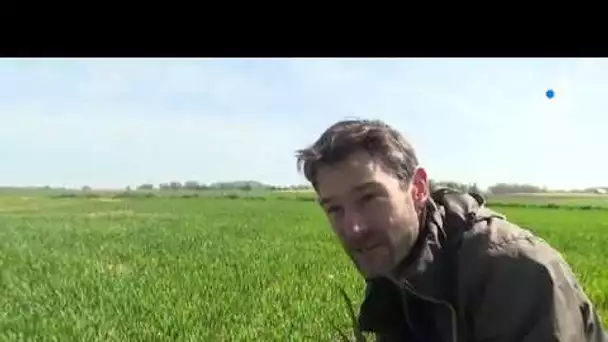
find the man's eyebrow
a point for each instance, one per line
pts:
(364, 186)
(360, 187)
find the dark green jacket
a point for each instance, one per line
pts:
(474, 276)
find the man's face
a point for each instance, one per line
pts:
(375, 215)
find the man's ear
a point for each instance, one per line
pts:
(420, 187)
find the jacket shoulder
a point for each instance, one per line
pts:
(512, 274)
(483, 233)
(494, 237)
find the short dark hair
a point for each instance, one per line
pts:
(343, 138)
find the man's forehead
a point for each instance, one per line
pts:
(366, 185)
(355, 173)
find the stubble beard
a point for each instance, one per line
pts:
(406, 243)
(399, 247)
(408, 238)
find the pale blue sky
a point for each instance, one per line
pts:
(118, 122)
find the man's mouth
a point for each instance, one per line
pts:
(368, 248)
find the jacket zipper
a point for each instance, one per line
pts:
(409, 288)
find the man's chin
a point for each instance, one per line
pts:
(375, 271)
(374, 268)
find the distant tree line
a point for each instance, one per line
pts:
(504, 189)
(456, 185)
(237, 185)
(496, 189)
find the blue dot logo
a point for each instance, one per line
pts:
(550, 94)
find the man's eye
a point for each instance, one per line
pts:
(333, 209)
(368, 197)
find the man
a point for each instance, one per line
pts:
(438, 266)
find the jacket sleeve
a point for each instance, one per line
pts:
(530, 294)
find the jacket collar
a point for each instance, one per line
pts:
(420, 272)
(447, 215)
(425, 271)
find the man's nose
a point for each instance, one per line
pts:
(354, 225)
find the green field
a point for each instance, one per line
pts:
(576, 200)
(209, 269)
